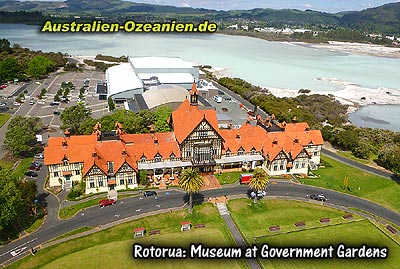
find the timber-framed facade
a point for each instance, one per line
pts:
(111, 160)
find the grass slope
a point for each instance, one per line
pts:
(112, 248)
(254, 220)
(377, 189)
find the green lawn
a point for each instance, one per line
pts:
(4, 118)
(228, 177)
(20, 170)
(73, 232)
(350, 155)
(378, 189)
(254, 220)
(112, 248)
(70, 211)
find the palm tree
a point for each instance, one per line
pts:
(259, 181)
(190, 181)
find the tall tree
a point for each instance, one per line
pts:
(10, 198)
(39, 66)
(21, 134)
(28, 191)
(259, 181)
(161, 119)
(9, 69)
(73, 117)
(5, 45)
(191, 181)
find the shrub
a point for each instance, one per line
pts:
(73, 194)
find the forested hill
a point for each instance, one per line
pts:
(385, 18)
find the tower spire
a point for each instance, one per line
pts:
(194, 95)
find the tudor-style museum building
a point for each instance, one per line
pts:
(111, 160)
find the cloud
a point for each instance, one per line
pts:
(307, 5)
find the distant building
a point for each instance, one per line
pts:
(111, 160)
(127, 79)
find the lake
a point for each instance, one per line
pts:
(264, 63)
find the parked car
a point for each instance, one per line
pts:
(251, 113)
(318, 197)
(31, 102)
(31, 174)
(3, 86)
(34, 168)
(39, 156)
(149, 193)
(56, 113)
(217, 98)
(227, 97)
(107, 202)
(16, 103)
(54, 103)
(37, 164)
(220, 92)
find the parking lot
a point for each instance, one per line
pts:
(48, 113)
(230, 108)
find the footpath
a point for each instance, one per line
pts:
(224, 212)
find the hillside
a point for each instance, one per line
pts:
(385, 18)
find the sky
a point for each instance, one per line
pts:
(331, 6)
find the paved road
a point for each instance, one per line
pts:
(173, 198)
(360, 166)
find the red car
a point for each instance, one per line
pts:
(3, 86)
(251, 113)
(107, 202)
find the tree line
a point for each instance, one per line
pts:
(17, 205)
(21, 133)
(314, 109)
(21, 63)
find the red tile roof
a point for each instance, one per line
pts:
(187, 117)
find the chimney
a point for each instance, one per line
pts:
(67, 133)
(123, 153)
(94, 154)
(64, 144)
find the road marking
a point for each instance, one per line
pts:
(18, 248)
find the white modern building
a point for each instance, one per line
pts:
(127, 79)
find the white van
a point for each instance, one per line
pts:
(217, 98)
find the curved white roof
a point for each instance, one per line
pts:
(121, 78)
(170, 78)
(164, 94)
(159, 62)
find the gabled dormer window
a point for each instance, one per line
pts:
(143, 159)
(228, 153)
(253, 151)
(240, 151)
(65, 161)
(157, 158)
(172, 157)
